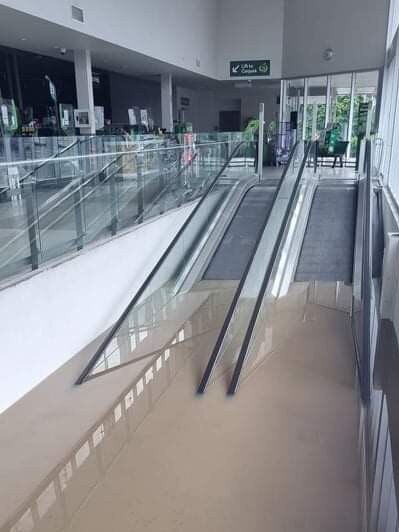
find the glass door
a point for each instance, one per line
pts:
(316, 107)
(365, 100)
(340, 104)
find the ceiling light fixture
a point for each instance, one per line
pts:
(328, 54)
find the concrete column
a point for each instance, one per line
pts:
(84, 87)
(167, 102)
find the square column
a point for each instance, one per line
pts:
(84, 88)
(167, 102)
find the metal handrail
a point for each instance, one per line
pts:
(55, 156)
(216, 349)
(365, 274)
(155, 270)
(248, 335)
(165, 190)
(59, 202)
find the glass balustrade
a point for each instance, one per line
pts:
(94, 187)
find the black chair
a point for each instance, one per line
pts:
(338, 153)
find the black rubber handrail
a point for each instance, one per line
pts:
(248, 335)
(215, 352)
(155, 270)
(367, 280)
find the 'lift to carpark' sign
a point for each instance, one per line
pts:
(250, 69)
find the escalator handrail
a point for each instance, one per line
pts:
(215, 352)
(153, 272)
(254, 316)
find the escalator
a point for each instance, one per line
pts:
(222, 245)
(246, 241)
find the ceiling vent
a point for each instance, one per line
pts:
(78, 14)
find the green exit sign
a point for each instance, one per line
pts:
(250, 69)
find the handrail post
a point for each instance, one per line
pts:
(78, 209)
(140, 188)
(113, 204)
(32, 226)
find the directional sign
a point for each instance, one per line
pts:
(250, 69)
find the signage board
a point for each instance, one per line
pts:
(82, 118)
(185, 101)
(250, 69)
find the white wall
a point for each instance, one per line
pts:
(176, 31)
(250, 29)
(251, 98)
(48, 318)
(205, 105)
(127, 92)
(354, 29)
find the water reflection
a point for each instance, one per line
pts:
(69, 485)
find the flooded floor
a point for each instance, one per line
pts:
(281, 455)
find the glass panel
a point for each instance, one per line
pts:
(366, 85)
(316, 107)
(340, 102)
(95, 186)
(240, 321)
(172, 301)
(294, 110)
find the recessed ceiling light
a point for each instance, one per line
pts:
(24, 39)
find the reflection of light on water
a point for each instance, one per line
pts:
(70, 483)
(56, 494)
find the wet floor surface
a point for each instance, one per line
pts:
(280, 455)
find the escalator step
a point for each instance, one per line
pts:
(235, 249)
(327, 250)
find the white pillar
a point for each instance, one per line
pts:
(305, 107)
(84, 87)
(167, 102)
(351, 113)
(328, 101)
